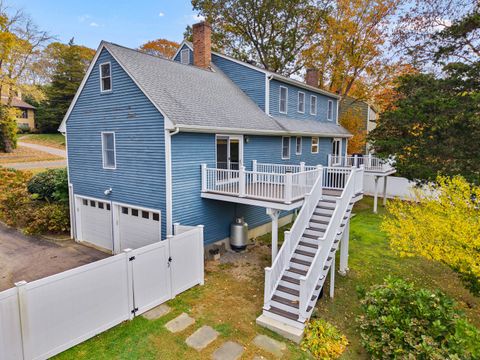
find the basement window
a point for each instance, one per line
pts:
(105, 77)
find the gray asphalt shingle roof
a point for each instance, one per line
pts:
(204, 99)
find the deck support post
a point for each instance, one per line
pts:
(385, 190)
(344, 249)
(274, 214)
(332, 277)
(375, 196)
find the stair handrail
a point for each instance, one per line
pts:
(309, 282)
(274, 273)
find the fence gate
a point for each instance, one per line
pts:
(164, 269)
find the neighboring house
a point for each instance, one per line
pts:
(203, 139)
(26, 113)
(367, 112)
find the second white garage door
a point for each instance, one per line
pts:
(96, 222)
(137, 227)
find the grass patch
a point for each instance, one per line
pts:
(53, 140)
(23, 154)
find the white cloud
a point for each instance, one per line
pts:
(197, 17)
(83, 18)
(94, 24)
(161, 14)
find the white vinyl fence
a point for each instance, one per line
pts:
(397, 187)
(47, 316)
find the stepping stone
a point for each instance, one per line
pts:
(180, 323)
(200, 339)
(228, 351)
(270, 345)
(157, 312)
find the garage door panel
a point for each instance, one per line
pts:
(138, 227)
(96, 223)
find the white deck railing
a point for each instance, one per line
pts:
(309, 282)
(370, 162)
(274, 273)
(280, 168)
(280, 185)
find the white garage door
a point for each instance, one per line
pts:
(96, 222)
(137, 227)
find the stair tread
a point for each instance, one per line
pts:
(312, 228)
(300, 261)
(304, 253)
(288, 290)
(319, 221)
(325, 207)
(306, 244)
(283, 313)
(292, 303)
(291, 280)
(309, 236)
(297, 271)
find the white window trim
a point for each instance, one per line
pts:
(301, 145)
(318, 145)
(316, 104)
(114, 150)
(298, 102)
(102, 77)
(329, 116)
(182, 52)
(289, 147)
(280, 100)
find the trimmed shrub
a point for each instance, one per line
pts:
(323, 340)
(48, 218)
(50, 185)
(401, 322)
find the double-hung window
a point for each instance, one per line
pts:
(185, 56)
(108, 150)
(298, 145)
(286, 147)
(314, 145)
(301, 102)
(330, 110)
(313, 105)
(283, 100)
(105, 77)
(336, 151)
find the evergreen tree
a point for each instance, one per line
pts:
(70, 67)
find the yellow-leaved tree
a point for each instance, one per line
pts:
(442, 225)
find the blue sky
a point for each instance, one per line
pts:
(129, 23)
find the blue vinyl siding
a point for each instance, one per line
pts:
(139, 178)
(292, 102)
(252, 82)
(177, 58)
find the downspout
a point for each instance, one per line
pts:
(168, 180)
(267, 93)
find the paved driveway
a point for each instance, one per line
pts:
(30, 258)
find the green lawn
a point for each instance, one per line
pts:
(232, 298)
(56, 140)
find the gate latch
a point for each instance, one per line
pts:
(131, 258)
(169, 260)
(134, 311)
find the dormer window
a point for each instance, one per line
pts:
(301, 102)
(330, 110)
(283, 100)
(185, 56)
(105, 77)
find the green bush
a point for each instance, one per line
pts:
(19, 208)
(323, 340)
(50, 185)
(401, 322)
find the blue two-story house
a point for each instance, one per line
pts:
(198, 139)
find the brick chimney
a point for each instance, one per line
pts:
(311, 78)
(202, 43)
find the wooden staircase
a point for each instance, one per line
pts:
(295, 281)
(285, 300)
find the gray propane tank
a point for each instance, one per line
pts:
(238, 234)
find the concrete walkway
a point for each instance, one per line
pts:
(47, 149)
(36, 165)
(39, 164)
